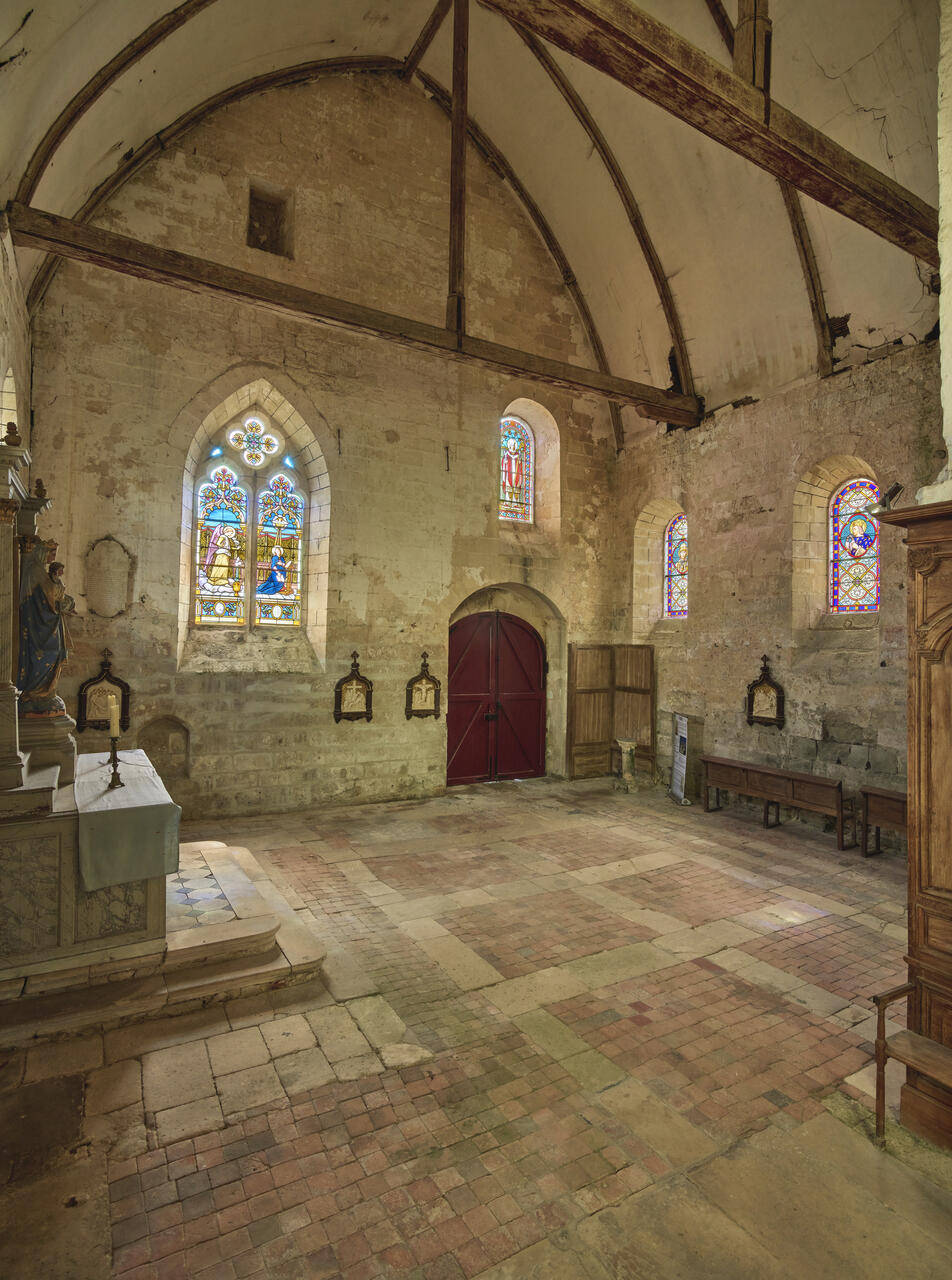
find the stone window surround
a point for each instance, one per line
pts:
(307, 646)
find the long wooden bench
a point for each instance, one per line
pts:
(776, 787)
(879, 808)
(926, 1056)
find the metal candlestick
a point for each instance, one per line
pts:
(115, 780)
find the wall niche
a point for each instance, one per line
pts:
(167, 743)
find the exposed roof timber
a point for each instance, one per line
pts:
(497, 161)
(800, 230)
(723, 23)
(97, 86)
(35, 229)
(655, 62)
(425, 38)
(632, 211)
(459, 138)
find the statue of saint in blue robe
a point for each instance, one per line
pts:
(273, 584)
(43, 635)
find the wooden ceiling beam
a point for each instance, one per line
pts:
(35, 229)
(658, 64)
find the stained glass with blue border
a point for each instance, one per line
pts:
(221, 550)
(516, 471)
(854, 549)
(278, 567)
(676, 568)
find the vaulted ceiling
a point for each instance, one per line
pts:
(674, 241)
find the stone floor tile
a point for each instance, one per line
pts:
(337, 1033)
(377, 1020)
(62, 1058)
(176, 1075)
(303, 1070)
(114, 1087)
(188, 1120)
(249, 1088)
(236, 1050)
(288, 1035)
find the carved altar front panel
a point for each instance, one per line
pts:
(29, 894)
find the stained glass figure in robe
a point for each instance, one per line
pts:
(516, 471)
(278, 571)
(854, 549)
(221, 550)
(676, 568)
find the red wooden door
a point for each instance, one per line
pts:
(495, 718)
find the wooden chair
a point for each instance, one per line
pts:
(926, 1056)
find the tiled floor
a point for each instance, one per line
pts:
(600, 992)
(194, 897)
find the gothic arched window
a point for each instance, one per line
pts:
(249, 530)
(854, 549)
(516, 470)
(676, 567)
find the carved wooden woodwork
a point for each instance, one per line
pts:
(927, 1106)
(93, 708)
(353, 694)
(765, 698)
(423, 692)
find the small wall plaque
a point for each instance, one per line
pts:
(94, 693)
(765, 699)
(353, 695)
(423, 692)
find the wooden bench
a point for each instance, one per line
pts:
(879, 808)
(928, 1057)
(776, 787)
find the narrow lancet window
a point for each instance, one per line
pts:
(516, 470)
(221, 549)
(676, 568)
(854, 549)
(279, 528)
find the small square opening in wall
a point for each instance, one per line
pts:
(269, 219)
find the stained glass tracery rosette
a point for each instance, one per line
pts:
(854, 550)
(280, 529)
(676, 568)
(254, 441)
(516, 471)
(221, 548)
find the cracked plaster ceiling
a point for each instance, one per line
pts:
(863, 71)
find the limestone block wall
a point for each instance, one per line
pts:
(14, 343)
(127, 371)
(754, 482)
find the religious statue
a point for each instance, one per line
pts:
(44, 606)
(274, 584)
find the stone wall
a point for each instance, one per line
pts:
(126, 372)
(751, 480)
(14, 338)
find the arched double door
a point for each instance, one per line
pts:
(495, 718)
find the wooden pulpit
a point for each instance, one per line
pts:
(927, 1107)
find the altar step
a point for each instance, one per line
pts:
(266, 947)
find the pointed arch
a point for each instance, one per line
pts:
(219, 404)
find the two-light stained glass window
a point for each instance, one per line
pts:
(249, 531)
(676, 567)
(516, 471)
(854, 549)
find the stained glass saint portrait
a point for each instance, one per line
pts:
(249, 531)
(221, 549)
(516, 471)
(854, 549)
(676, 568)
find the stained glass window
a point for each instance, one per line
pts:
(676, 568)
(854, 549)
(516, 470)
(278, 578)
(221, 546)
(249, 530)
